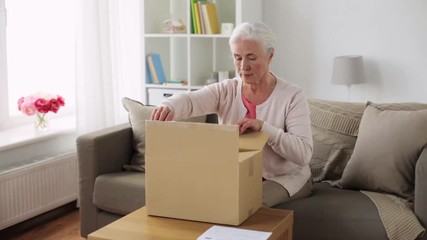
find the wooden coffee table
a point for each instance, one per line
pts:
(139, 226)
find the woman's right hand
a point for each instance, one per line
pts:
(162, 113)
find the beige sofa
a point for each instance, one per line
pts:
(112, 185)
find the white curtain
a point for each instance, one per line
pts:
(108, 61)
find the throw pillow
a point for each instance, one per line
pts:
(387, 148)
(340, 117)
(334, 126)
(137, 113)
(331, 152)
(403, 106)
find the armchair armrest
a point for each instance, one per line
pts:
(106, 150)
(420, 201)
(99, 152)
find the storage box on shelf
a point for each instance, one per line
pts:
(185, 55)
(157, 95)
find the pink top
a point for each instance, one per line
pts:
(250, 107)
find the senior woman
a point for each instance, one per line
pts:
(257, 100)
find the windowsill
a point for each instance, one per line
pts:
(26, 134)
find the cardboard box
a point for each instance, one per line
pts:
(203, 172)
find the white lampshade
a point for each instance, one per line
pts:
(348, 70)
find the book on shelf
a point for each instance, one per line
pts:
(197, 16)
(176, 82)
(152, 71)
(204, 17)
(148, 77)
(202, 21)
(193, 17)
(157, 71)
(210, 18)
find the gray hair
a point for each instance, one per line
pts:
(257, 31)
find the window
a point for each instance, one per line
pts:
(37, 40)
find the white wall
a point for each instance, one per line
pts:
(390, 34)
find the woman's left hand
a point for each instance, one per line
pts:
(249, 123)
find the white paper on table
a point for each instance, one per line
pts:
(230, 233)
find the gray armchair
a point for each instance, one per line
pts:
(106, 190)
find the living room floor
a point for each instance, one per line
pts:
(62, 223)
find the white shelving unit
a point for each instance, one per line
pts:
(187, 56)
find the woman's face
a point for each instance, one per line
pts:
(251, 60)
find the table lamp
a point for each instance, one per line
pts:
(348, 70)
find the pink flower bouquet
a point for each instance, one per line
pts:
(40, 104)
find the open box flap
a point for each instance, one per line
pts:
(252, 141)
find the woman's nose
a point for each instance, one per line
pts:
(244, 65)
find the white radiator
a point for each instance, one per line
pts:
(36, 188)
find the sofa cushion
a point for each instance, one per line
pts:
(386, 150)
(333, 213)
(334, 127)
(120, 193)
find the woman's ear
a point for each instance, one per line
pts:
(271, 55)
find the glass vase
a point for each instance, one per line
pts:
(41, 123)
